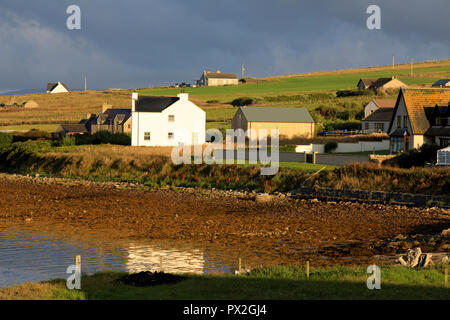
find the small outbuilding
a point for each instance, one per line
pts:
(71, 129)
(218, 78)
(442, 83)
(290, 122)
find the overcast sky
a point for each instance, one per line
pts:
(140, 43)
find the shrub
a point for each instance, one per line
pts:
(244, 101)
(68, 141)
(359, 115)
(354, 93)
(330, 146)
(343, 115)
(5, 139)
(415, 158)
(326, 111)
(102, 137)
(33, 134)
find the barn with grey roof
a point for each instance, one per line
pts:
(290, 122)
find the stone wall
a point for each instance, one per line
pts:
(375, 196)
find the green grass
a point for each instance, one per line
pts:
(307, 167)
(26, 127)
(328, 82)
(270, 283)
(363, 153)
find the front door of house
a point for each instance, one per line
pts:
(406, 143)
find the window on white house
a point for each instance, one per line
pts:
(170, 135)
(405, 121)
(147, 136)
(379, 126)
(399, 121)
(171, 118)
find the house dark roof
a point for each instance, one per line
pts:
(438, 131)
(441, 82)
(367, 82)
(376, 83)
(74, 128)
(380, 82)
(51, 86)
(382, 114)
(220, 75)
(263, 114)
(400, 132)
(154, 104)
(121, 115)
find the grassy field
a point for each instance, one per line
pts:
(286, 91)
(424, 74)
(289, 283)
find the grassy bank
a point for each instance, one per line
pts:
(153, 167)
(270, 283)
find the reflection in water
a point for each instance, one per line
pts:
(30, 254)
(155, 258)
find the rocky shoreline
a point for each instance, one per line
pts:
(277, 229)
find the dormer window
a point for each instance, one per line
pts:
(171, 118)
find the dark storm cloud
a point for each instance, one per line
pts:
(140, 43)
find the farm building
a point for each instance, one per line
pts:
(420, 116)
(378, 115)
(57, 88)
(442, 83)
(443, 157)
(30, 104)
(70, 129)
(110, 119)
(290, 122)
(166, 121)
(380, 84)
(213, 79)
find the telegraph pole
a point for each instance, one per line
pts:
(393, 61)
(243, 70)
(85, 83)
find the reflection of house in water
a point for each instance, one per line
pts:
(174, 260)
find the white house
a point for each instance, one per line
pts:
(378, 115)
(166, 121)
(57, 88)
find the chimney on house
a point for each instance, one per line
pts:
(105, 107)
(183, 96)
(134, 98)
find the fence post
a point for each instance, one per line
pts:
(446, 278)
(78, 263)
(307, 270)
